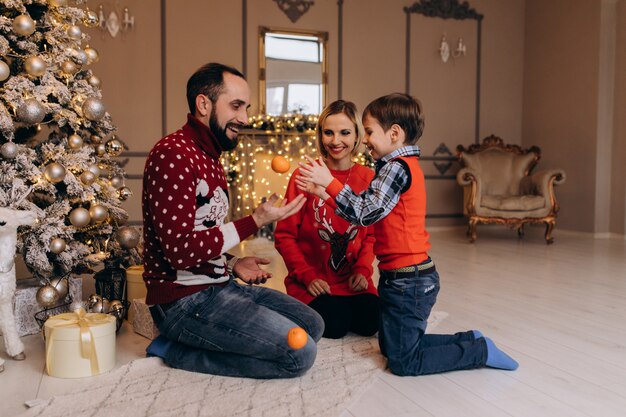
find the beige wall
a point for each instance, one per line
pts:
(618, 171)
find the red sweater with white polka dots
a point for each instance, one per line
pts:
(184, 202)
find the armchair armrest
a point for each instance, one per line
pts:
(468, 177)
(542, 183)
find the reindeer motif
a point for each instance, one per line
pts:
(338, 241)
(10, 220)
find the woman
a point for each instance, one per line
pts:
(329, 260)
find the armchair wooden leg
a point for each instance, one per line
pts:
(549, 227)
(520, 231)
(472, 230)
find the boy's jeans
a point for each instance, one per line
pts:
(238, 330)
(406, 299)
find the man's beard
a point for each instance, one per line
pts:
(224, 141)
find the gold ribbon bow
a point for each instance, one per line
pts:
(84, 321)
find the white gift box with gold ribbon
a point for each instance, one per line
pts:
(79, 344)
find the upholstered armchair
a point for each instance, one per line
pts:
(500, 188)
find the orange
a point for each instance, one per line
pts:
(297, 338)
(280, 164)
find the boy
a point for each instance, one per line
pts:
(395, 203)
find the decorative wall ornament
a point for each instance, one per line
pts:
(115, 22)
(443, 167)
(445, 9)
(294, 9)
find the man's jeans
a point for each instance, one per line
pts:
(238, 330)
(406, 300)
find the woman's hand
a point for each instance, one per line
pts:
(318, 287)
(357, 282)
(315, 171)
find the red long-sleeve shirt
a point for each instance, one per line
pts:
(316, 243)
(184, 202)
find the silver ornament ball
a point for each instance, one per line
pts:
(74, 32)
(35, 66)
(92, 54)
(47, 296)
(74, 141)
(114, 147)
(5, 71)
(8, 150)
(31, 111)
(88, 177)
(79, 217)
(116, 308)
(117, 181)
(23, 25)
(128, 237)
(93, 299)
(101, 306)
(101, 149)
(61, 285)
(57, 245)
(95, 169)
(93, 109)
(80, 57)
(124, 193)
(54, 172)
(98, 213)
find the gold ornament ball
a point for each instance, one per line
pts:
(91, 19)
(23, 25)
(96, 139)
(8, 150)
(88, 177)
(124, 193)
(114, 147)
(79, 217)
(47, 296)
(69, 67)
(101, 149)
(74, 141)
(128, 237)
(54, 172)
(57, 3)
(92, 54)
(57, 245)
(93, 299)
(117, 181)
(35, 66)
(95, 169)
(31, 111)
(61, 285)
(74, 32)
(93, 109)
(5, 71)
(94, 81)
(98, 213)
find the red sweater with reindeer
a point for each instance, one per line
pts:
(185, 203)
(316, 243)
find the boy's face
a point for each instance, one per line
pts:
(378, 141)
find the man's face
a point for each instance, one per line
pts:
(229, 113)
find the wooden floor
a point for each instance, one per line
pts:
(559, 310)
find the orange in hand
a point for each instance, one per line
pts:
(297, 338)
(280, 164)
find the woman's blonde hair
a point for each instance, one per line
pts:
(337, 107)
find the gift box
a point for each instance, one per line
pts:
(25, 303)
(143, 323)
(136, 287)
(79, 344)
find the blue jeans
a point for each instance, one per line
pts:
(238, 330)
(406, 300)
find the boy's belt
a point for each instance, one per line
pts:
(420, 267)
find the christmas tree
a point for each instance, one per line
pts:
(57, 144)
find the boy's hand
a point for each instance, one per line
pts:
(316, 171)
(248, 270)
(267, 213)
(357, 282)
(318, 287)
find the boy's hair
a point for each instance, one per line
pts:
(337, 107)
(401, 109)
(208, 80)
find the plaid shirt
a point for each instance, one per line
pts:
(383, 193)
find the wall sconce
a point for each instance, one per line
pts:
(294, 9)
(445, 52)
(114, 23)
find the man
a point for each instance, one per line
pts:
(209, 322)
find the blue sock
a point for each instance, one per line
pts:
(498, 359)
(158, 347)
(477, 334)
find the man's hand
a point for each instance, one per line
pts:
(318, 287)
(357, 282)
(267, 213)
(316, 172)
(247, 269)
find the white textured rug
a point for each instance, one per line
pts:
(147, 387)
